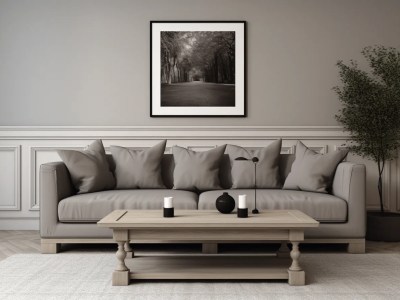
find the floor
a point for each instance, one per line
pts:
(18, 241)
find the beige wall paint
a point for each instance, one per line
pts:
(81, 62)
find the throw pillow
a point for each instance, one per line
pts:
(139, 169)
(313, 171)
(197, 171)
(267, 166)
(89, 168)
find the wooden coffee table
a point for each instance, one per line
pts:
(208, 226)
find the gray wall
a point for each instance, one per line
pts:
(84, 62)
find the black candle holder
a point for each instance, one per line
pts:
(255, 160)
(168, 212)
(242, 212)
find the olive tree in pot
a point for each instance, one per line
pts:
(371, 114)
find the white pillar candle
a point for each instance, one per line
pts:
(242, 201)
(168, 202)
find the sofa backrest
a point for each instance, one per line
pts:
(168, 165)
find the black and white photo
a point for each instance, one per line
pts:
(197, 68)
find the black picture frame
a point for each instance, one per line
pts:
(242, 112)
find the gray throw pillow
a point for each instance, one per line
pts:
(89, 168)
(267, 166)
(197, 171)
(313, 171)
(139, 169)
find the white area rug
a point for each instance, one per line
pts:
(88, 276)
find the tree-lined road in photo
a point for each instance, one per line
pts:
(197, 68)
(197, 93)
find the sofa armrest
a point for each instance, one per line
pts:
(349, 184)
(55, 185)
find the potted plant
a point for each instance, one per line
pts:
(371, 114)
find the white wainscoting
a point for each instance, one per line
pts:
(24, 149)
(10, 177)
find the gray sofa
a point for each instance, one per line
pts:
(69, 218)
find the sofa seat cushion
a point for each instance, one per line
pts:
(324, 208)
(94, 206)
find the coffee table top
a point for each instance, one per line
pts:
(206, 219)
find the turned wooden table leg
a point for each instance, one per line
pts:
(121, 273)
(283, 250)
(129, 250)
(296, 273)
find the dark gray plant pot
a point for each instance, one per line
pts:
(383, 227)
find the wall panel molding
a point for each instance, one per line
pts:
(319, 149)
(34, 167)
(16, 171)
(288, 149)
(171, 132)
(33, 180)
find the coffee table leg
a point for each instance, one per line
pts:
(283, 250)
(121, 273)
(296, 274)
(128, 250)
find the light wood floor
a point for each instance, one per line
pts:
(18, 241)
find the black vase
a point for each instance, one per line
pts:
(225, 203)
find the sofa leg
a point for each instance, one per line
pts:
(50, 248)
(210, 248)
(356, 248)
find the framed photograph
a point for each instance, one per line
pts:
(198, 69)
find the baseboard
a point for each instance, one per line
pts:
(19, 224)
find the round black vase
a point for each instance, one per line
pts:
(225, 203)
(383, 226)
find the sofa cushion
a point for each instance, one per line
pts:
(268, 176)
(322, 207)
(138, 169)
(89, 168)
(93, 207)
(225, 168)
(197, 171)
(313, 171)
